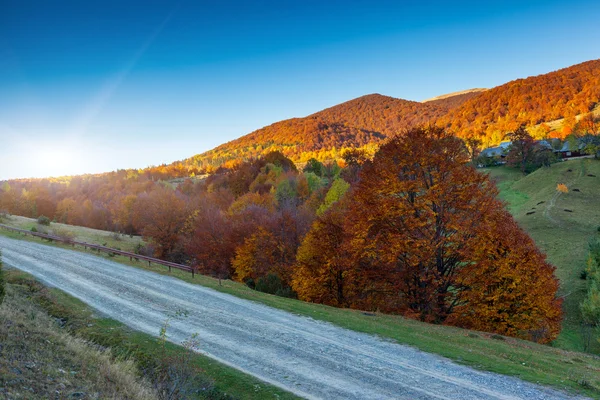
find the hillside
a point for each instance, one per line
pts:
(563, 235)
(366, 121)
(564, 93)
(363, 121)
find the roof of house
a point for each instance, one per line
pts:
(495, 151)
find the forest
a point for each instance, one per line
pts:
(487, 116)
(413, 229)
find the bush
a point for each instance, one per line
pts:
(272, 284)
(43, 220)
(64, 234)
(142, 250)
(33, 229)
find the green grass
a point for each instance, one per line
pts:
(144, 349)
(505, 178)
(562, 235)
(81, 233)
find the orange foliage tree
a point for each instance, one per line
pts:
(421, 233)
(414, 212)
(160, 216)
(323, 273)
(509, 288)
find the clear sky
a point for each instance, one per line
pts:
(92, 86)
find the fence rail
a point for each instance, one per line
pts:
(105, 249)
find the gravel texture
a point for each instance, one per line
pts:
(312, 359)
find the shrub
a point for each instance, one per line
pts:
(142, 250)
(115, 236)
(33, 229)
(272, 284)
(43, 220)
(64, 234)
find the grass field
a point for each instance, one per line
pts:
(563, 235)
(82, 234)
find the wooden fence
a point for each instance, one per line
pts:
(108, 250)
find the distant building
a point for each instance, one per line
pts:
(496, 152)
(569, 150)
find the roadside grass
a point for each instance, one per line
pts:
(40, 360)
(562, 235)
(546, 365)
(215, 382)
(81, 233)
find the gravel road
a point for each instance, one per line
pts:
(312, 359)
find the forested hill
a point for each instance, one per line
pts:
(364, 121)
(560, 94)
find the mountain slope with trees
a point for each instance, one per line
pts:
(565, 93)
(486, 115)
(365, 121)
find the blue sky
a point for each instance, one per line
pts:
(90, 86)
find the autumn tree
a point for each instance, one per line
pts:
(525, 153)
(209, 241)
(323, 272)
(160, 216)
(508, 288)
(413, 214)
(415, 222)
(257, 257)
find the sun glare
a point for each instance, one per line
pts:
(58, 159)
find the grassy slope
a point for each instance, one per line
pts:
(38, 359)
(527, 360)
(139, 347)
(82, 234)
(562, 235)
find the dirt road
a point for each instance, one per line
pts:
(313, 359)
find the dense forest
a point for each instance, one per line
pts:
(415, 231)
(365, 121)
(561, 94)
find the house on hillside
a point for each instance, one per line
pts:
(494, 155)
(570, 149)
